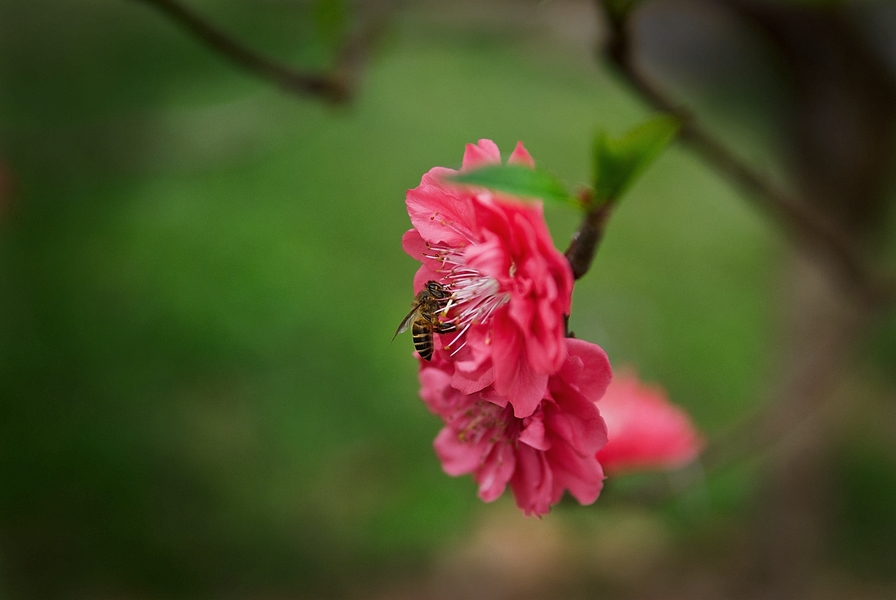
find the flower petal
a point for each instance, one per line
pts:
(495, 472)
(485, 152)
(521, 156)
(534, 435)
(589, 368)
(580, 475)
(532, 482)
(646, 431)
(457, 457)
(441, 213)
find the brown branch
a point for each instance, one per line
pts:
(332, 86)
(764, 431)
(797, 218)
(586, 239)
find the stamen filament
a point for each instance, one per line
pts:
(474, 296)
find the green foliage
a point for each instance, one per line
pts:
(201, 276)
(882, 346)
(864, 531)
(617, 162)
(519, 181)
(331, 19)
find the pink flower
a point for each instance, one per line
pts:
(510, 287)
(551, 450)
(645, 430)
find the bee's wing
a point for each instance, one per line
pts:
(407, 320)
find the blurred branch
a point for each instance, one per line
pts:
(796, 217)
(336, 85)
(803, 408)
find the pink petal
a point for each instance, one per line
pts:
(457, 457)
(414, 245)
(646, 431)
(433, 383)
(488, 256)
(525, 391)
(588, 369)
(581, 475)
(575, 419)
(521, 156)
(495, 472)
(441, 213)
(533, 434)
(473, 369)
(532, 483)
(514, 378)
(484, 153)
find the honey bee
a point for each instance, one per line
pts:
(424, 318)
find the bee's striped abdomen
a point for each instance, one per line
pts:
(421, 331)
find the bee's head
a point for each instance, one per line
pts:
(436, 289)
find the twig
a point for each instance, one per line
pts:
(796, 217)
(332, 86)
(585, 240)
(764, 430)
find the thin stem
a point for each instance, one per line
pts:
(587, 238)
(333, 86)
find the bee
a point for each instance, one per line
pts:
(424, 318)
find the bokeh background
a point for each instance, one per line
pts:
(200, 275)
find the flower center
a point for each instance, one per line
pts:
(474, 295)
(483, 419)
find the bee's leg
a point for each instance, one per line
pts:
(445, 303)
(444, 327)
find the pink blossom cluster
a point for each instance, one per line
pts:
(519, 400)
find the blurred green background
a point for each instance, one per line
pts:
(200, 276)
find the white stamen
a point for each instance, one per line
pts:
(474, 295)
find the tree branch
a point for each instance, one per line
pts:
(810, 228)
(334, 86)
(588, 236)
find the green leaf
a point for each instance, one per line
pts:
(518, 180)
(619, 161)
